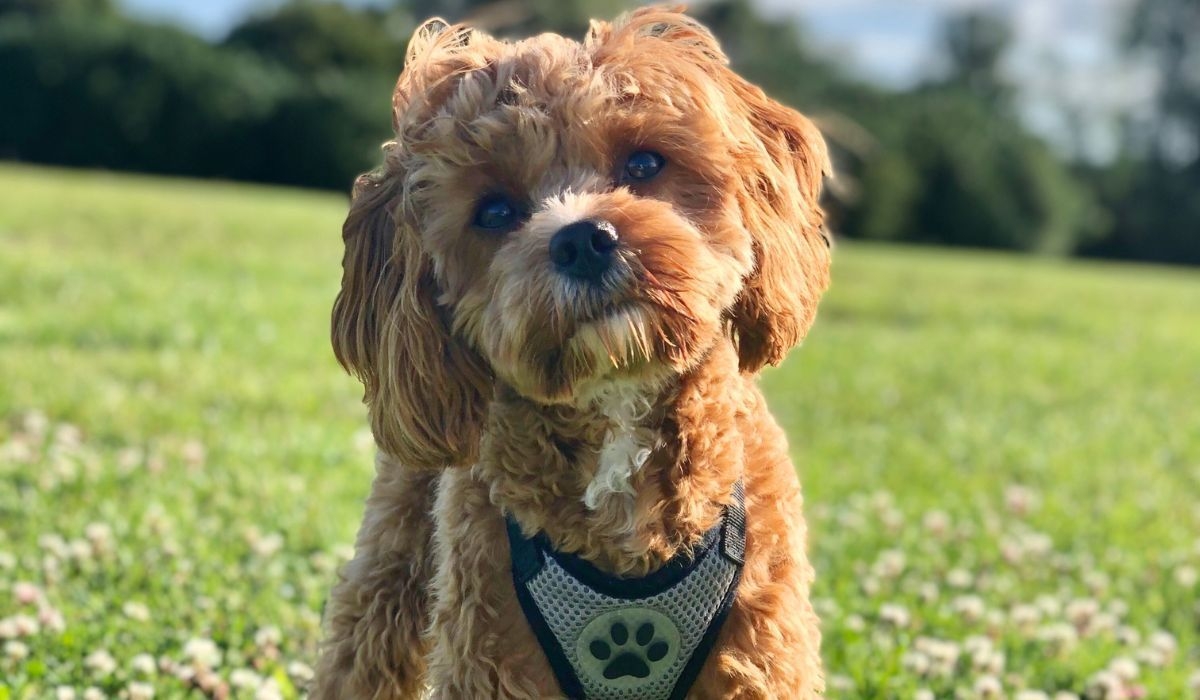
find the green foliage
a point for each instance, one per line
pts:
(313, 36)
(1150, 194)
(105, 91)
(957, 174)
(975, 43)
(182, 459)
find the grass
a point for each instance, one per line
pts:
(1001, 455)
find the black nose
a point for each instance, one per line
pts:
(584, 249)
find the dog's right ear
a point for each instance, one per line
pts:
(426, 391)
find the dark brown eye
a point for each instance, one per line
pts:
(496, 212)
(643, 165)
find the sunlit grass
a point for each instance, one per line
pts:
(1001, 455)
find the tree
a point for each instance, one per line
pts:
(311, 37)
(974, 43)
(1168, 32)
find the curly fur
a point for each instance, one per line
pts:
(614, 418)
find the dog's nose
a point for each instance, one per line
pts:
(584, 249)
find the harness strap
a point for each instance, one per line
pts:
(612, 638)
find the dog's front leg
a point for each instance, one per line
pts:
(377, 614)
(482, 645)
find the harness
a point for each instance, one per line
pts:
(612, 638)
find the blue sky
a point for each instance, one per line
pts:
(1062, 53)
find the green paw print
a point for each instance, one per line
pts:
(624, 656)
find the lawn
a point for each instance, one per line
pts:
(1001, 455)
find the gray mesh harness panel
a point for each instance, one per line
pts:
(629, 639)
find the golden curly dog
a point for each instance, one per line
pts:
(558, 291)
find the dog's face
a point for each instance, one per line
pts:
(557, 215)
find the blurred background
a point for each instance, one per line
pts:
(1064, 128)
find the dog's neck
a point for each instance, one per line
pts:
(627, 480)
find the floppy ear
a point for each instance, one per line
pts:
(426, 391)
(781, 177)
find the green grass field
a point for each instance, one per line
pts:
(1001, 456)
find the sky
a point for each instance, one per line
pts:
(1063, 49)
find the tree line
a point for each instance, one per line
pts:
(299, 95)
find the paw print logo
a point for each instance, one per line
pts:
(627, 647)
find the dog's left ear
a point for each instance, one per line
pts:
(781, 176)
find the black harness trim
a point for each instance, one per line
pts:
(528, 554)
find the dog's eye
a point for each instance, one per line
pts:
(496, 212)
(643, 165)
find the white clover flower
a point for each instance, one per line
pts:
(136, 611)
(1059, 636)
(1194, 684)
(269, 691)
(1020, 500)
(895, 615)
(139, 691)
(1152, 657)
(855, 623)
(24, 626)
(1125, 668)
(268, 545)
(892, 520)
(989, 687)
(203, 653)
(1065, 695)
(1049, 605)
(17, 651)
(193, 453)
(1025, 617)
(143, 664)
(64, 692)
(1105, 685)
(245, 678)
(94, 693)
(1165, 644)
(25, 593)
(300, 672)
(936, 522)
(1096, 581)
(1080, 612)
(1186, 576)
(268, 637)
(924, 694)
(915, 662)
(890, 564)
(1037, 544)
(1031, 695)
(79, 550)
(99, 535)
(8, 628)
(970, 607)
(52, 619)
(943, 655)
(960, 578)
(100, 663)
(7, 560)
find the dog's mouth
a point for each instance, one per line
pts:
(615, 336)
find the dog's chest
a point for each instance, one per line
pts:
(611, 638)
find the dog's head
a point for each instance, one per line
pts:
(556, 215)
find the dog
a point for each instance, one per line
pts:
(558, 292)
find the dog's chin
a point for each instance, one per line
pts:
(627, 344)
